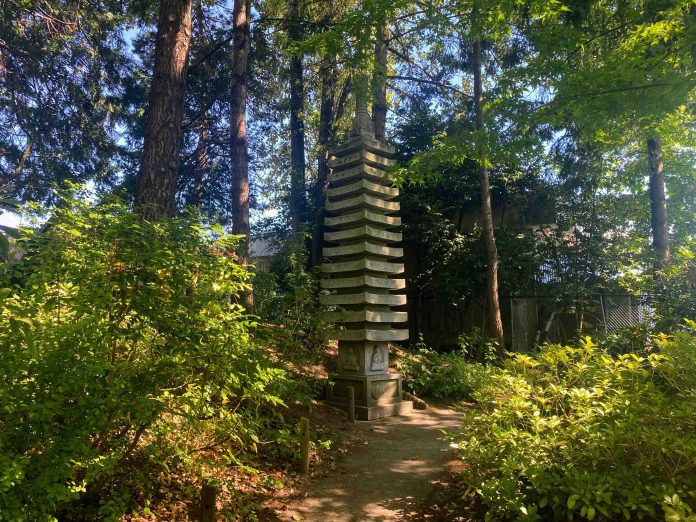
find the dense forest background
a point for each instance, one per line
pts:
(586, 127)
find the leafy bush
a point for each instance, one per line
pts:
(122, 355)
(287, 296)
(675, 290)
(679, 367)
(440, 375)
(574, 433)
(479, 347)
(632, 339)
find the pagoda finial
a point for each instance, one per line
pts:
(362, 122)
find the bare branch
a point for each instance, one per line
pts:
(430, 82)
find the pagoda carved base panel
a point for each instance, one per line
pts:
(376, 396)
(363, 357)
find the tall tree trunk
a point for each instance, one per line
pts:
(238, 144)
(202, 160)
(156, 190)
(23, 158)
(495, 320)
(202, 164)
(326, 114)
(658, 205)
(379, 82)
(342, 101)
(298, 196)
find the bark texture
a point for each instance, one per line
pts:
(239, 151)
(379, 83)
(298, 195)
(326, 115)
(23, 159)
(156, 189)
(495, 320)
(201, 155)
(342, 101)
(658, 204)
(202, 159)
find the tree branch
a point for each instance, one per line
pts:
(22, 160)
(210, 53)
(430, 82)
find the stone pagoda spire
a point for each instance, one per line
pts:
(362, 122)
(361, 270)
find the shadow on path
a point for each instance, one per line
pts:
(393, 468)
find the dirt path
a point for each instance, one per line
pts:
(392, 467)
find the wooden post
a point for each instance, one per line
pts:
(351, 404)
(208, 496)
(304, 445)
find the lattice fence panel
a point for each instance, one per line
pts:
(624, 312)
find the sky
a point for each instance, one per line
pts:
(9, 219)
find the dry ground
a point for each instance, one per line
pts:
(396, 468)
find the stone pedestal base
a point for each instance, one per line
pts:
(376, 396)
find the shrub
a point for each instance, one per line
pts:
(442, 375)
(632, 339)
(675, 294)
(476, 346)
(286, 301)
(122, 355)
(678, 370)
(574, 433)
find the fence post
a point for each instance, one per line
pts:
(351, 404)
(304, 445)
(208, 499)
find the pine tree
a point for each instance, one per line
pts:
(238, 130)
(157, 179)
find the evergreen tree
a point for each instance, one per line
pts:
(157, 180)
(238, 128)
(61, 78)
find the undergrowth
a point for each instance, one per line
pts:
(451, 374)
(576, 433)
(124, 359)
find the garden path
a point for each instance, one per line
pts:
(394, 465)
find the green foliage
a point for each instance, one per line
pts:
(574, 433)
(632, 339)
(63, 69)
(286, 302)
(674, 288)
(678, 369)
(440, 375)
(478, 347)
(287, 296)
(676, 292)
(122, 355)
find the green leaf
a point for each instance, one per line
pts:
(4, 246)
(572, 500)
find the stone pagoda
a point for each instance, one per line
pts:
(361, 271)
